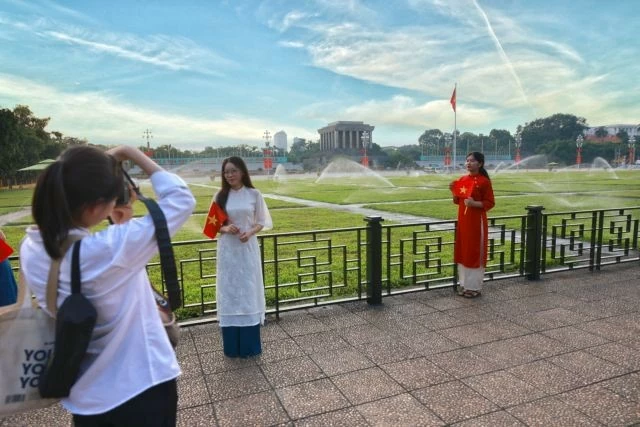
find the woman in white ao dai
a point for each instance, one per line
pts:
(240, 286)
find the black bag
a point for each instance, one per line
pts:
(75, 321)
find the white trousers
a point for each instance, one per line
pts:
(471, 278)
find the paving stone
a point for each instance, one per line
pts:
(547, 376)
(192, 392)
(454, 401)
(198, 416)
(575, 337)
(321, 341)
(591, 368)
(254, 409)
(463, 363)
(359, 334)
(439, 320)
(366, 385)
(386, 351)
(551, 412)
(215, 361)
(401, 410)
(311, 398)
(603, 405)
(342, 360)
(627, 386)
(273, 351)
(416, 373)
(617, 354)
(342, 417)
(292, 371)
(495, 419)
(503, 389)
(503, 353)
(229, 384)
(430, 343)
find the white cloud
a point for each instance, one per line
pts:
(104, 119)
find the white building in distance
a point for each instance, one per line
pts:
(280, 141)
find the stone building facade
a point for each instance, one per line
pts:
(344, 135)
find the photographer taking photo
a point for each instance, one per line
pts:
(128, 375)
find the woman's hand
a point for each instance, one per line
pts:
(244, 236)
(451, 184)
(230, 229)
(472, 203)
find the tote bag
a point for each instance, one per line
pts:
(27, 336)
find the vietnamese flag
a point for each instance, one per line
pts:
(453, 100)
(462, 190)
(5, 250)
(215, 220)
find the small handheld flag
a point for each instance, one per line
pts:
(215, 220)
(461, 190)
(5, 250)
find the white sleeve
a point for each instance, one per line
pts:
(262, 215)
(134, 242)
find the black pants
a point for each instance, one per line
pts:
(155, 407)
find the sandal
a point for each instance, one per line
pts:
(460, 290)
(471, 294)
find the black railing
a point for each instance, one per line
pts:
(312, 268)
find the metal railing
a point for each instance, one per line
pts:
(312, 268)
(318, 267)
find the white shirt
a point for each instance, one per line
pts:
(129, 350)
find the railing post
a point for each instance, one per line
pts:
(533, 242)
(374, 259)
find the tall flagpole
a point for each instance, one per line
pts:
(455, 124)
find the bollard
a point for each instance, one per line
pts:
(533, 242)
(374, 259)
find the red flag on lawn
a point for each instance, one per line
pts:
(215, 220)
(5, 250)
(453, 100)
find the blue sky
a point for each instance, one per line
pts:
(215, 73)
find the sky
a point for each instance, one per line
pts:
(222, 72)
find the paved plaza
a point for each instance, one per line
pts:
(562, 351)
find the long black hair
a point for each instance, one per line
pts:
(223, 194)
(480, 159)
(82, 176)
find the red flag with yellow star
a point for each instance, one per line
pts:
(462, 190)
(5, 250)
(215, 220)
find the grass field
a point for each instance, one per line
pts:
(421, 195)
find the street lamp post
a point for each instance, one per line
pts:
(579, 142)
(632, 150)
(267, 161)
(365, 143)
(447, 150)
(518, 144)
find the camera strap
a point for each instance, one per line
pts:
(167, 259)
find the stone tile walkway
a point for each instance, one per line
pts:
(561, 351)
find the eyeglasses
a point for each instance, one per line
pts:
(231, 171)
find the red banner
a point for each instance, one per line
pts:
(267, 163)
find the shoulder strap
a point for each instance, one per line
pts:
(54, 272)
(75, 268)
(167, 259)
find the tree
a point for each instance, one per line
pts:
(558, 127)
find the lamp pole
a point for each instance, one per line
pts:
(365, 143)
(632, 150)
(579, 142)
(518, 145)
(267, 162)
(447, 150)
